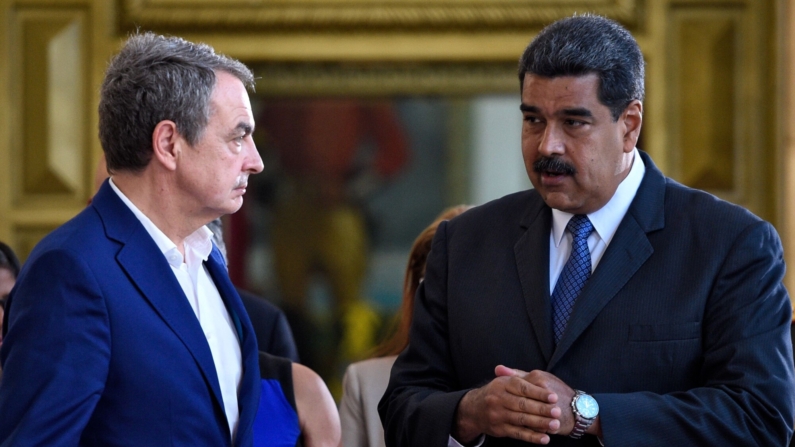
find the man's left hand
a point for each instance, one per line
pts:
(552, 384)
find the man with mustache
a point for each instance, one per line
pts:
(610, 305)
(123, 328)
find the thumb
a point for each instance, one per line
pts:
(504, 371)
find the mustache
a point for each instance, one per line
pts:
(553, 164)
(242, 182)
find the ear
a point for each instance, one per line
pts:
(166, 144)
(632, 119)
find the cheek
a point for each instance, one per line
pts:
(529, 157)
(529, 148)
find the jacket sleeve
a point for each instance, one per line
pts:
(419, 404)
(747, 395)
(354, 431)
(56, 355)
(282, 341)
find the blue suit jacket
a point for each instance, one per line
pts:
(103, 348)
(681, 333)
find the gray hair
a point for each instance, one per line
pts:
(589, 44)
(216, 226)
(156, 78)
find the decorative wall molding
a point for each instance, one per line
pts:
(303, 15)
(49, 117)
(313, 79)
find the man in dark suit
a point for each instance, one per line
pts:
(647, 313)
(274, 335)
(124, 329)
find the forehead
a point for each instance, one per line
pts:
(561, 91)
(229, 95)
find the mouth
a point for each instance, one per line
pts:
(241, 185)
(553, 174)
(553, 168)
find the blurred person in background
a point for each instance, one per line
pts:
(296, 407)
(365, 382)
(9, 270)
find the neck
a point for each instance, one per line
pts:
(158, 201)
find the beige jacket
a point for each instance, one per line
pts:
(363, 385)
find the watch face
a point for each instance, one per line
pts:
(587, 406)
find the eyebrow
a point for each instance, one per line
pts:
(247, 128)
(577, 111)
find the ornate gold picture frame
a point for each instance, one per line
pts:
(368, 14)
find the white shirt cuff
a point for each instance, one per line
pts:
(451, 442)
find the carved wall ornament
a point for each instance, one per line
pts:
(275, 15)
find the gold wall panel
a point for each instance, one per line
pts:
(707, 79)
(314, 79)
(25, 238)
(706, 115)
(50, 119)
(365, 14)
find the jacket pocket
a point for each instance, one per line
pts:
(664, 332)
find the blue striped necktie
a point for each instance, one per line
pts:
(574, 275)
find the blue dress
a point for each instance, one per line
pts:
(276, 423)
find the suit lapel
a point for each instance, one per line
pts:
(145, 265)
(531, 247)
(629, 249)
(627, 252)
(249, 390)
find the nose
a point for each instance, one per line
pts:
(253, 163)
(552, 141)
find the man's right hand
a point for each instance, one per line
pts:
(507, 407)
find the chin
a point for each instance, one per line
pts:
(560, 202)
(235, 206)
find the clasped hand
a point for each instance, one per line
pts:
(516, 404)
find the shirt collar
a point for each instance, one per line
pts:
(606, 219)
(200, 241)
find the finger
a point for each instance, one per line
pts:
(504, 371)
(535, 422)
(522, 433)
(523, 388)
(532, 414)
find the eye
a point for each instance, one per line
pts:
(531, 119)
(575, 123)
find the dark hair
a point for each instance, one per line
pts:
(8, 260)
(586, 44)
(156, 78)
(415, 271)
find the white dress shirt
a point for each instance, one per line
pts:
(605, 222)
(204, 298)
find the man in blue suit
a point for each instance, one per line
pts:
(124, 329)
(647, 313)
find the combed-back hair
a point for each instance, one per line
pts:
(156, 78)
(589, 44)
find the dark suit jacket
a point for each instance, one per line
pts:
(270, 324)
(103, 348)
(681, 334)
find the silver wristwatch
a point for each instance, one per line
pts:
(585, 410)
